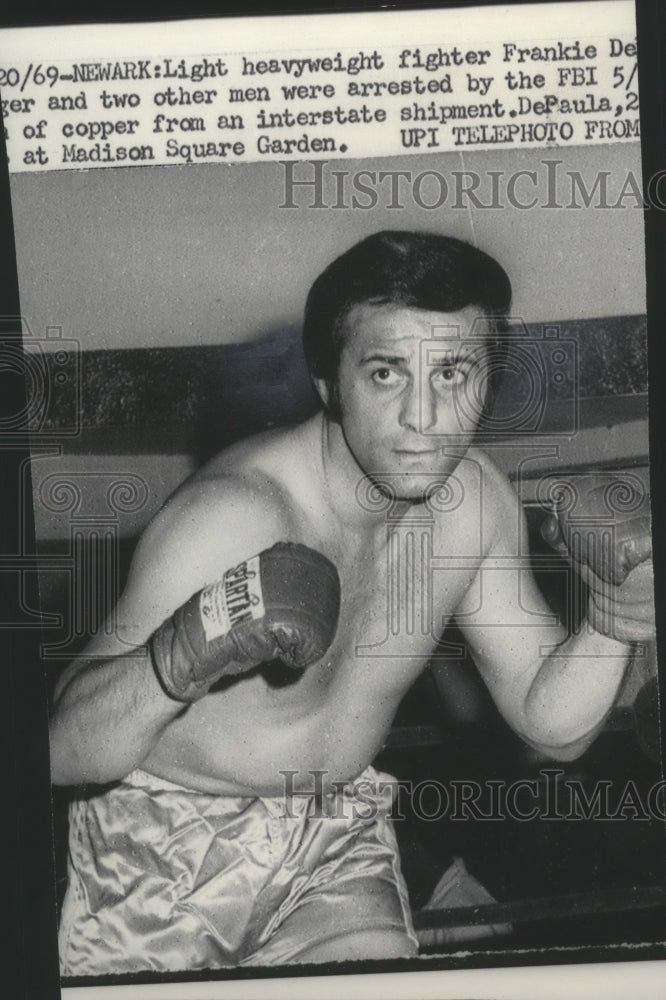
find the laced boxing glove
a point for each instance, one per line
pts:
(281, 604)
(606, 544)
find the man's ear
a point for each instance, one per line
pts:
(328, 393)
(323, 387)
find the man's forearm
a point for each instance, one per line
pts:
(574, 689)
(107, 718)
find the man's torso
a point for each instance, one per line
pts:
(403, 572)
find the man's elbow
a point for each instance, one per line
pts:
(561, 752)
(63, 761)
(560, 743)
(66, 761)
(559, 737)
(76, 762)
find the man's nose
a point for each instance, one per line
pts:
(419, 407)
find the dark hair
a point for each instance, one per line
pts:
(420, 270)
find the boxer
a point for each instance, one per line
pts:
(277, 610)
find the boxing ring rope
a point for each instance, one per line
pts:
(567, 905)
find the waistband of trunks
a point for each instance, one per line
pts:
(370, 786)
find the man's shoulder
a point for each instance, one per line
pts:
(484, 497)
(207, 526)
(248, 483)
(481, 475)
(271, 455)
(234, 508)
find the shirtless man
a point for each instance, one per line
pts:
(189, 858)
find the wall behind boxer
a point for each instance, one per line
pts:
(183, 256)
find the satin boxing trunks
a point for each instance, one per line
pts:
(164, 878)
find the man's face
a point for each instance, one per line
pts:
(410, 382)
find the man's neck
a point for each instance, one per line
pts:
(349, 491)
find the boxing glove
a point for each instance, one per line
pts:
(281, 604)
(606, 544)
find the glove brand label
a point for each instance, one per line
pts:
(236, 598)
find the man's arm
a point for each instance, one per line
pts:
(110, 709)
(554, 690)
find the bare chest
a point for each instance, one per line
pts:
(399, 589)
(399, 586)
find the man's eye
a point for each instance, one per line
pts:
(452, 374)
(385, 376)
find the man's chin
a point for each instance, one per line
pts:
(412, 487)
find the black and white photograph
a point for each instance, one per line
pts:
(335, 346)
